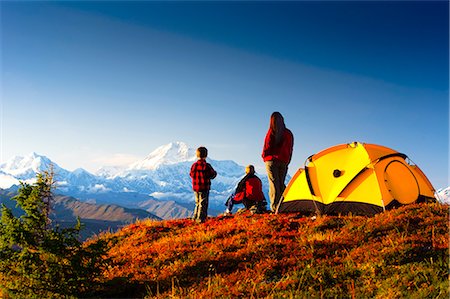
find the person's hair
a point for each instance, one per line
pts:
(202, 152)
(250, 169)
(277, 125)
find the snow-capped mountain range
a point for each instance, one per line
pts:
(443, 195)
(162, 175)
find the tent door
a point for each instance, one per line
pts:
(401, 182)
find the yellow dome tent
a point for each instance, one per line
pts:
(357, 178)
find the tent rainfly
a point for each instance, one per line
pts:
(356, 178)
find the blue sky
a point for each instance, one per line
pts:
(102, 83)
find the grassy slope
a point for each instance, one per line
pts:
(398, 254)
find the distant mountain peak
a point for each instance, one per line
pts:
(109, 171)
(31, 161)
(172, 153)
(26, 167)
(163, 175)
(35, 155)
(80, 171)
(443, 195)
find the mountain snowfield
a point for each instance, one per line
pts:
(443, 195)
(25, 168)
(169, 154)
(162, 175)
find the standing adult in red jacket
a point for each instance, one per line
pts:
(277, 154)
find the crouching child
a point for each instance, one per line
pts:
(249, 193)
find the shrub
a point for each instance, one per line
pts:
(41, 261)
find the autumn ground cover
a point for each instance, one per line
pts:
(403, 253)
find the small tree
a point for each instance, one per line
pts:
(41, 261)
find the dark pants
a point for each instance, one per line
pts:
(257, 206)
(201, 206)
(231, 202)
(276, 172)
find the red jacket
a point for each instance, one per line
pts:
(250, 187)
(282, 152)
(201, 174)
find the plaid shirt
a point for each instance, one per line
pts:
(201, 174)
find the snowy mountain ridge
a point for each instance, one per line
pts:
(161, 175)
(172, 153)
(26, 167)
(443, 195)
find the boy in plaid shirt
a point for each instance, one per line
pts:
(201, 174)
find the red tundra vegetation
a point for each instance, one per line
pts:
(402, 253)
